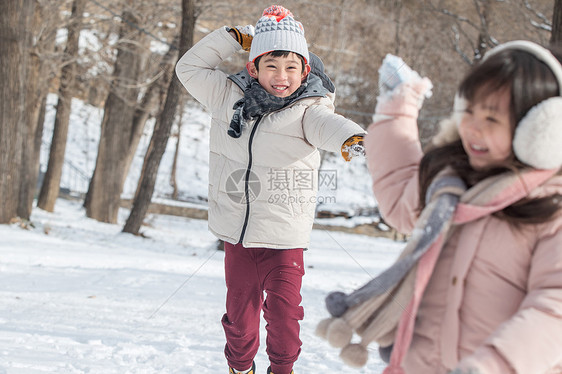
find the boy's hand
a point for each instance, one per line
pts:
(243, 35)
(353, 147)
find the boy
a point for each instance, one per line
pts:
(268, 122)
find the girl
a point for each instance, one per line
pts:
(492, 298)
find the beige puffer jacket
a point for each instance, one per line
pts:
(274, 163)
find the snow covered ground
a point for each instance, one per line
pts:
(79, 296)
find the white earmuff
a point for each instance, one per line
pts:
(538, 136)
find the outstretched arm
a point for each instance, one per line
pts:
(392, 145)
(329, 131)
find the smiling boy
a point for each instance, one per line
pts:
(268, 122)
(281, 72)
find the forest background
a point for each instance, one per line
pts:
(128, 70)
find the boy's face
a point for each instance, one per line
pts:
(280, 76)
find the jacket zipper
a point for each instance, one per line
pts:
(247, 179)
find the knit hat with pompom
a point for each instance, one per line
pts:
(277, 30)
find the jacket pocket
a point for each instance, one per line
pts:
(216, 169)
(303, 203)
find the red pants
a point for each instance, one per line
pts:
(249, 272)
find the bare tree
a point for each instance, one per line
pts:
(40, 68)
(352, 40)
(150, 100)
(15, 18)
(466, 31)
(50, 188)
(556, 33)
(173, 173)
(161, 133)
(104, 194)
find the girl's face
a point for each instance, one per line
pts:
(486, 131)
(280, 76)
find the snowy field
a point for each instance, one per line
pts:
(79, 296)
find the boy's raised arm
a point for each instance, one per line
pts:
(197, 71)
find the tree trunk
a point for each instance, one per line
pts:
(161, 133)
(173, 174)
(39, 72)
(148, 103)
(32, 102)
(556, 35)
(15, 17)
(104, 195)
(51, 183)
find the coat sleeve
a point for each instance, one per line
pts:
(327, 130)
(197, 71)
(530, 341)
(393, 154)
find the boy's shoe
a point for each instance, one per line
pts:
(270, 372)
(252, 370)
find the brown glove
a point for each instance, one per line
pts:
(353, 147)
(243, 35)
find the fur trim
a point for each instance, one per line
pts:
(448, 131)
(449, 127)
(459, 106)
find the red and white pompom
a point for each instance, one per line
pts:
(278, 12)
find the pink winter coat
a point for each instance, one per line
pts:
(494, 301)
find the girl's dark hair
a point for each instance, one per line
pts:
(529, 81)
(279, 54)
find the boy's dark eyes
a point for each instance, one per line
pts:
(275, 67)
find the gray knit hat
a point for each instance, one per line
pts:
(277, 30)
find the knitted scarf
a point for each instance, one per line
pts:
(257, 102)
(385, 308)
